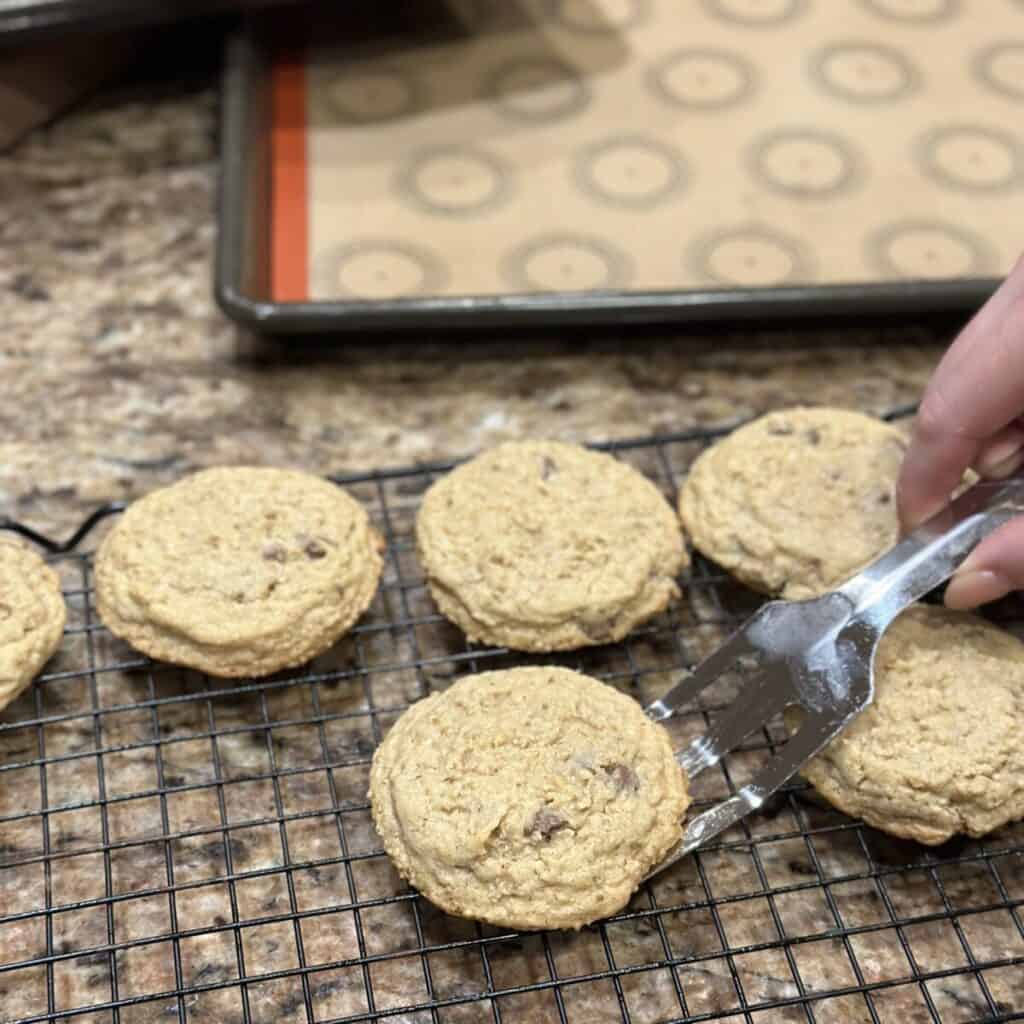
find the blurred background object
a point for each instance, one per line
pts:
(41, 79)
(24, 19)
(53, 53)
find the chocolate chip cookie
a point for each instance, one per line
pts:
(940, 751)
(797, 501)
(529, 798)
(545, 546)
(32, 616)
(238, 571)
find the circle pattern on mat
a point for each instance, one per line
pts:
(379, 268)
(370, 95)
(1001, 68)
(537, 89)
(702, 79)
(566, 263)
(804, 162)
(756, 13)
(750, 256)
(589, 17)
(971, 158)
(913, 10)
(863, 72)
(629, 171)
(923, 249)
(454, 181)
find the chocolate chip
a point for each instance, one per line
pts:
(813, 436)
(622, 777)
(884, 499)
(545, 823)
(600, 630)
(274, 552)
(548, 468)
(314, 549)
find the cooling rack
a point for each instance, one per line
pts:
(174, 847)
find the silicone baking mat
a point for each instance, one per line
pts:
(576, 145)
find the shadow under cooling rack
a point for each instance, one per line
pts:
(183, 848)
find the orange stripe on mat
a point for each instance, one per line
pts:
(289, 260)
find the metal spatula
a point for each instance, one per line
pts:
(818, 654)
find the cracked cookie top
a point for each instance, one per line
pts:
(529, 798)
(940, 750)
(797, 501)
(546, 546)
(238, 571)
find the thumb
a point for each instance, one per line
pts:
(992, 570)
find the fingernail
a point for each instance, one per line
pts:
(992, 470)
(971, 587)
(998, 454)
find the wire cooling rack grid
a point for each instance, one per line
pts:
(177, 847)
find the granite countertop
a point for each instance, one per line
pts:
(118, 373)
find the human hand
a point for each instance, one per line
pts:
(972, 416)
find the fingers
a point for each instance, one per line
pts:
(932, 467)
(992, 570)
(976, 392)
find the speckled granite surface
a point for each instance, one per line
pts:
(117, 372)
(175, 800)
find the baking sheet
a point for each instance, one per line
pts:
(658, 144)
(545, 160)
